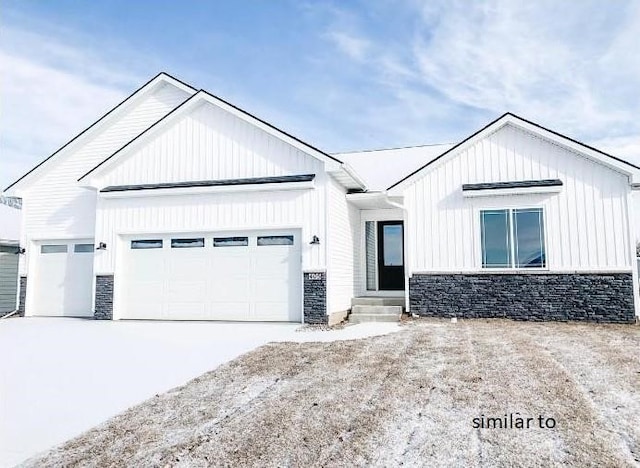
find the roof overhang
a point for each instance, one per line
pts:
(91, 178)
(374, 201)
(612, 162)
(161, 79)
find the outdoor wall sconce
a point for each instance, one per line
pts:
(20, 251)
(101, 246)
(315, 240)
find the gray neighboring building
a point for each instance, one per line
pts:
(9, 245)
(8, 276)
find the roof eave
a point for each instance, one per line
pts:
(614, 163)
(17, 187)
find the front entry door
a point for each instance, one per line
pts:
(390, 256)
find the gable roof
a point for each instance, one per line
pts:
(204, 96)
(160, 78)
(511, 119)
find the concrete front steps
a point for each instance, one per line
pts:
(376, 309)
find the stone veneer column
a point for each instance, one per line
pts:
(315, 297)
(22, 296)
(104, 298)
(592, 297)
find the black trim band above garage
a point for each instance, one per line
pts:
(513, 184)
(213, 183)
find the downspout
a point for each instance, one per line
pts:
(631, 225)
(10, 314)
(405, 243)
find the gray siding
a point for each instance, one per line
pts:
(8, 281)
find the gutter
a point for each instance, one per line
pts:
(349, 170)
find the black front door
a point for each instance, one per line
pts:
(390, 256)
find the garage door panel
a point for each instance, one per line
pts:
(272, 289)
(229, 289)
(63, 279)
(187, 290)
(178, 263)
(231, 265)
(186, 311)
(231, 279)
(232, 311)
(145, 264)
(143, 294)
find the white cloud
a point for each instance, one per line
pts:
(50, 91)
(535, 58)
(354, 47)
(627, 147)
(574, 68)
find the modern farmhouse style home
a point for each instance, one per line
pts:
(177, 205)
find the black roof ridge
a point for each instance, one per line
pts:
(149, 128)
(453, 148)
(324, 153)
(393, 148)
(100, 119)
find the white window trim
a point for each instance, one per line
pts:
(511, 209)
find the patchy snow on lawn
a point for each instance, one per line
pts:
(59, 377)
(407, 398)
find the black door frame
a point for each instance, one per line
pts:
(390, 278)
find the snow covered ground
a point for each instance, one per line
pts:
(435, 394)
(60, 377)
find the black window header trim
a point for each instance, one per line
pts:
(513, 184)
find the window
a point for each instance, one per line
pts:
(53, 248)
(83, 248)
(392, 244)
(187, 243)
(230, 241)
(275, 240)
(513, 238)
(146, 244)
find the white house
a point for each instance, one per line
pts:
(179, 205)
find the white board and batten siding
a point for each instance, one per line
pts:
(294, 209)
(211, 144)
(586, 223)
(54, 206)
(343, 221)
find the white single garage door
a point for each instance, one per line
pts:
(63, 280)
(246, 276)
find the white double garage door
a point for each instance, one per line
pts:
(245, 276)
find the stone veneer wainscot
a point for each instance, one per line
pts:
(593, 297)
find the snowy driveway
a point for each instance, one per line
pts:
(60, 377)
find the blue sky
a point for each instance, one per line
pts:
(340, 75)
